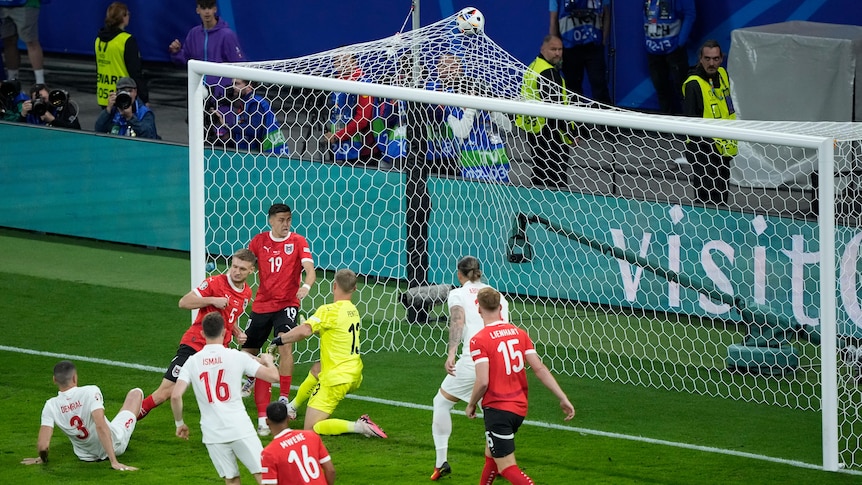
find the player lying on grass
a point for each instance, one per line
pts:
(340, 366)
(80, 413)
(216, 375)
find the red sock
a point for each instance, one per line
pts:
(489, 472)
(146, 407)
(284, 382)
(262, 396)
(516, 476)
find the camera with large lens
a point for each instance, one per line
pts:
(58, 98)
(40, 107)
(123, 100)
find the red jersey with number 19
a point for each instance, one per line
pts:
(504, 347)
(294, 457)
(218, 286)
(279, 264)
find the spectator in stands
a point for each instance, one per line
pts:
(117, 55)
(442, 149)
(125, 114)
(707, 95)
(12, 100)
(482, 154)
(667, 26)
(550, 139)
(211, 41)
(584, 26)
(50, 108)
(20, 19)
(250, 124)
(350, 125)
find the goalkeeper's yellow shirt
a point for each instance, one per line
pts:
(337, 324)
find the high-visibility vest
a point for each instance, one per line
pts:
(717, 104)
(531, 92)
(110, 65)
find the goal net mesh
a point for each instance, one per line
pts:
(616, 265)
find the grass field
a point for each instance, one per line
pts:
(113, 310)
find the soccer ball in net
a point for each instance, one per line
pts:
(470, 21)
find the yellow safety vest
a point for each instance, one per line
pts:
(717, 104)
(530, 91)
(110, 65)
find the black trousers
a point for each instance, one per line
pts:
(711, 172)
(589, 58)
(550, 159)
(668, 72)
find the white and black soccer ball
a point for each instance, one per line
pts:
(470, 21)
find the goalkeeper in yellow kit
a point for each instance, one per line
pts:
(340, 368)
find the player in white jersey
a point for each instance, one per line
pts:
(464, 322)
(80, 413)
(216, 375)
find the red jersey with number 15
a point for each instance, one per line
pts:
(279, 263)
(218, 286)
(294, 457)
(504, 347)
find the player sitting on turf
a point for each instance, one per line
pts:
(80, 414)
(340, 371)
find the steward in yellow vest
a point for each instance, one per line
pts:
(117, 55)
(706, 94)
(550, 139)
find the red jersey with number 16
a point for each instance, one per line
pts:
(504, 347)
(279, 263)
(218, 286)
(294, 457)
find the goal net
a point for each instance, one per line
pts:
(624, 263)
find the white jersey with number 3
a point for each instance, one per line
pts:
(72, 411)
(216, 374)
(465, 297)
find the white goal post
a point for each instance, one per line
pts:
(720, 277)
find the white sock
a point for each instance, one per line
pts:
(40, 76)
(261, 422)
(441, 426)
(11, 74)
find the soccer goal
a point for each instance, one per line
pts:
(615, 266)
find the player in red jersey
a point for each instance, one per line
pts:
(501, 352)
(294, 456)
(282, 256)
(228, 294)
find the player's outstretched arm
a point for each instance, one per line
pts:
(457, 319)
(297, 333)
(548, 380)
(107, 441)
(44, 442)
(177, 408)
(193, 301)
(267, 371)
(479, 388)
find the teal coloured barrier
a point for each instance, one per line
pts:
(94, 186)
(136, 192)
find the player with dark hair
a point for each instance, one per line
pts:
(278, 458)
(283, 257)
(502, 352)
(80, 413)
(227, 294)
(215, 373)
(340, 368)
(464, 322)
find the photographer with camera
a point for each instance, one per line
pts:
(126, 115)
(50, 108)
(11, 100)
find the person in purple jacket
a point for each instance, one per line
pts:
(211, 41)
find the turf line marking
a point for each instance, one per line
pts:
(424, 407)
